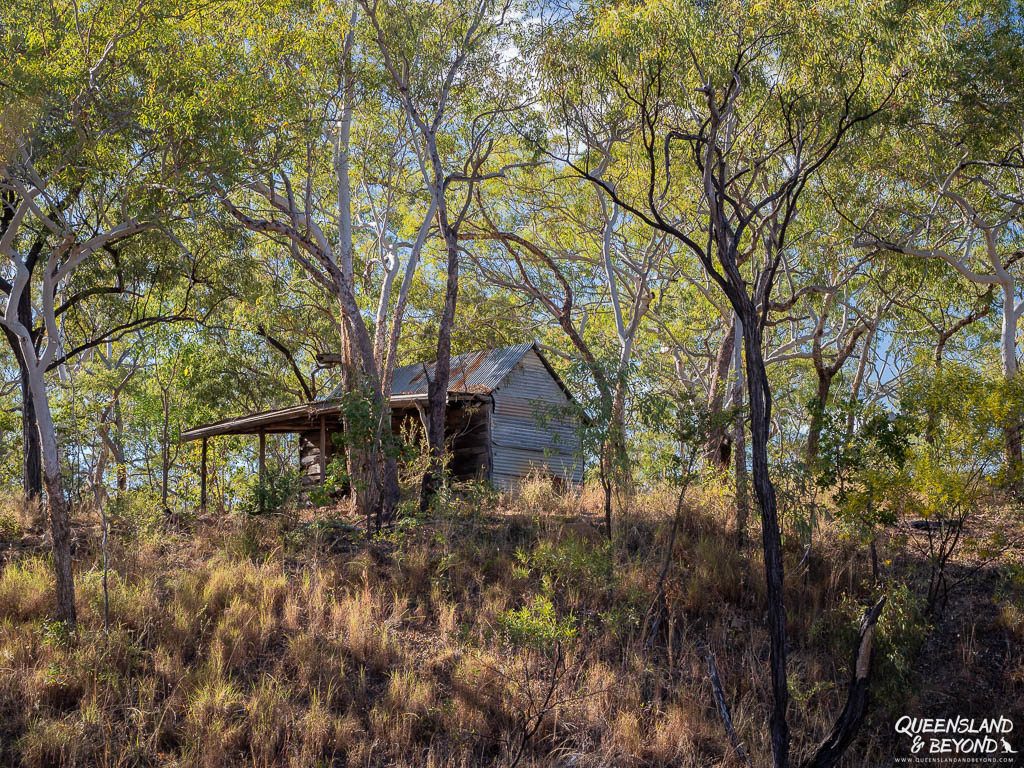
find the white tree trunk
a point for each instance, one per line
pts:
(60, 527)
(1008, 353)
(1008, 334)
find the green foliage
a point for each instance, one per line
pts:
(865, 466)
(570, 562)
(623, 619)
(900, 635)
(135, 514)
(896, 643)
(964, 411)
(473, 497)
(932, 459)
(10, 526)
(279, 490)
(362, 426)
(536, 625)
(60, 634)
(879, 438)
(675, 430)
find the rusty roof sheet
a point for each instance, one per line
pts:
(474, 372)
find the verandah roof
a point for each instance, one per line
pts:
(298, 418)
(473, 376)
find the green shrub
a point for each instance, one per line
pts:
(536, 625)
(280, 489)
(10, 528)
(898, 638)
(571, 561)
(134, 514)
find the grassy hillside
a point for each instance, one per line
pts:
(488, 633)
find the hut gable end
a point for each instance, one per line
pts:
(531, 430)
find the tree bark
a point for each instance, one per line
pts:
(1008, 349)
(717, 447)
(437, 385)
(740, 440)
(32, 459)
(621, 467)
(32, 463)
(60, 527)
(827, 373)
(118, 443)
(760, 425)
(858, 378)
(818, 413)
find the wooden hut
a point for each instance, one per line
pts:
(508, 416)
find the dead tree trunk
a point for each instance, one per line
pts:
(848, 723)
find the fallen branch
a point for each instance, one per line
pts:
(723, 706)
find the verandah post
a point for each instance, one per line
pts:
(202, 479)
(323, 450)
(263, 465)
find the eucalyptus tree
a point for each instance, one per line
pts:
(588, 269)
(449, 71)
(705, 341)
(929, 317)
(826, 325)
(972, 224)
(719, 443)
(313, 155)
(946, 187)
(348, 164)
(79, 181)
(728, 140)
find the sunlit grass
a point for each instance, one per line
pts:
(429, 646)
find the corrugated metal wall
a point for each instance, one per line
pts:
(527, 432)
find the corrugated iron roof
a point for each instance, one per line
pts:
(474, 372)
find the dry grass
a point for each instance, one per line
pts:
(267, 643)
